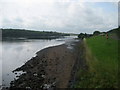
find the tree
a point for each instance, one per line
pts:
(96, 32)
(81, 35)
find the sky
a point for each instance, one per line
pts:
(69, 16)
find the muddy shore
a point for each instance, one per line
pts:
(53, 67)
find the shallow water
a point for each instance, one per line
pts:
(16, 53)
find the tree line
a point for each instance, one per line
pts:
(20, 33)
(95, 33)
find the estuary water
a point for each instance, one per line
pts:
(14, 54)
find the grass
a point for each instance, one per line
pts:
(102, 59)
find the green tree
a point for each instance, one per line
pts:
(81, 35)
(96, 32)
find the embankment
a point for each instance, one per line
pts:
(101, 56)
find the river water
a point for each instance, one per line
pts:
(14, 54)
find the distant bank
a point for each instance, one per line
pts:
(29, 34)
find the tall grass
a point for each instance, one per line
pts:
(102, 59)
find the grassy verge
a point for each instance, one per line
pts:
(102, 59)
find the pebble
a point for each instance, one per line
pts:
(35, 74)
(43, 76)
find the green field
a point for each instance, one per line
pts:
(102, 59)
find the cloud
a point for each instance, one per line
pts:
(61, 16)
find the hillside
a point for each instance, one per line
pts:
(116, 30)
(28, 34)
(101, 56)
(114, 33)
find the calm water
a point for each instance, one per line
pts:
(15, 53)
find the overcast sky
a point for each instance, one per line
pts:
(68, 16)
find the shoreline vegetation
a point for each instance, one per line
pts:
(21, 34)
(92, 63)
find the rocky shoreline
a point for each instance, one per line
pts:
(53, 67)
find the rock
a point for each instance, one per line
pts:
(35, 74)
(43, 76)
(46, 86)
(28, 88)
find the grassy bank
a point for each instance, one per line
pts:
(101, 55)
